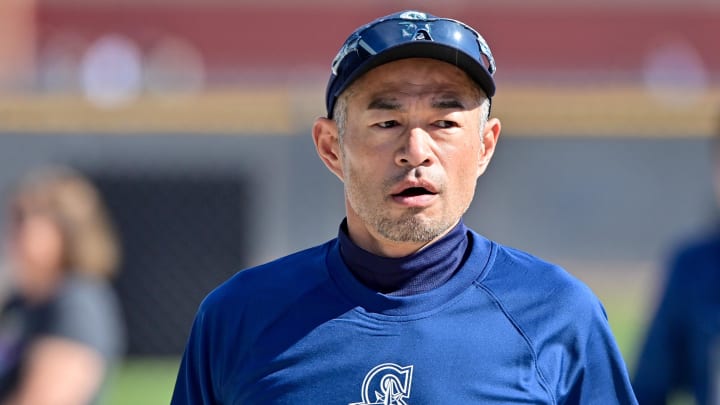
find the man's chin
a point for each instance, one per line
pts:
(413, 229)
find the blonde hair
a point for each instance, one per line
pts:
(70, 200)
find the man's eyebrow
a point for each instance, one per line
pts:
(448, 104)
(441, 103)
(382, 103)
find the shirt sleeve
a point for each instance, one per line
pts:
(601, 376)
(576, 357)
(194, 385)
(87, 312)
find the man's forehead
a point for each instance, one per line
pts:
(394, 94)
(399, 94)
(415, 77)
(418, 69)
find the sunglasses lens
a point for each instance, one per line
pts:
(385, 34)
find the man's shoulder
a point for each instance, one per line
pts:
(693, 265)
(542, 300)
(699, 248)
(522, 268)
(521, 281)
(272, 280)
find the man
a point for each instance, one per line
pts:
(681, 351)
(407, 305)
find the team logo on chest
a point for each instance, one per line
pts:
(386, 384)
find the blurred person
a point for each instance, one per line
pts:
(681, 350)
(61, 329)
(407, 305)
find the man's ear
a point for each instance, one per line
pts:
(327, 144)
(490, 136)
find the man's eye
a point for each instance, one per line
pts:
(445, 124)
(387, 124)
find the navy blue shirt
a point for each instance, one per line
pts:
(506, 328)
(682, 348)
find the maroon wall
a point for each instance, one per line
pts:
(284, 37)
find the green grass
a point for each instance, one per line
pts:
(627, 321)
(143, 381)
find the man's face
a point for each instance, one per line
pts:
(411, 153)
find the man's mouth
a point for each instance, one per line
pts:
(414, 192)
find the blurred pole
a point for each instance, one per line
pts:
(17, 44)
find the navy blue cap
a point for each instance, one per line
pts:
(411, 34)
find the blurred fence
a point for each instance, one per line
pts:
(182, 235)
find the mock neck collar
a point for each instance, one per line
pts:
(421, 271)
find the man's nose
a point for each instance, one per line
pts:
(415, 150)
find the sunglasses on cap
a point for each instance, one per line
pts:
(411, 34)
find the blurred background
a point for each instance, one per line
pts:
(193, 119)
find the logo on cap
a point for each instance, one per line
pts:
(413, 15)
